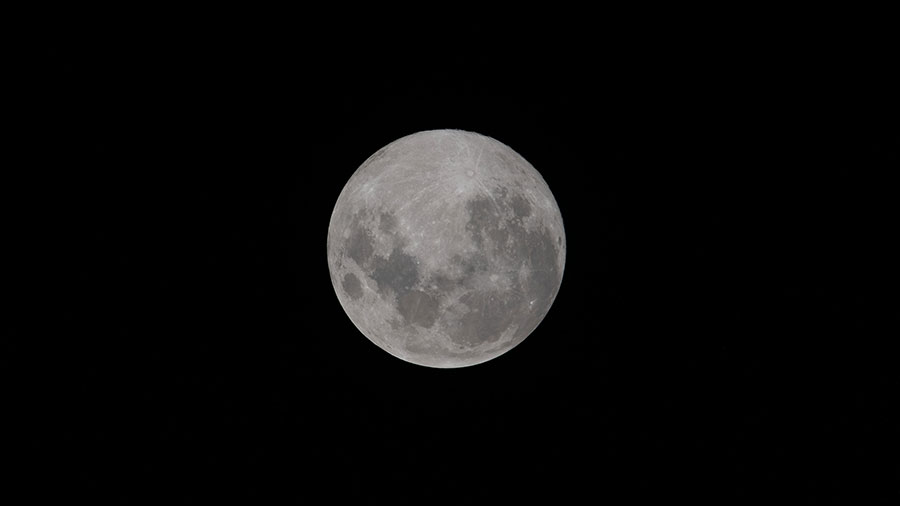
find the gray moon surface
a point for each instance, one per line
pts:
(446, 248)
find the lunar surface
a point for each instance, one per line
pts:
(446, 248)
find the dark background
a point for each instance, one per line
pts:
(724, 194)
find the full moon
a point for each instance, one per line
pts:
(446, 248)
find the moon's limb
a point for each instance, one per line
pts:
(446, 248)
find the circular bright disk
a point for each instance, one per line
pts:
(446, 248)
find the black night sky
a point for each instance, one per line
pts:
(724, 198)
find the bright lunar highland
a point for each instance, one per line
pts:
(446, 248)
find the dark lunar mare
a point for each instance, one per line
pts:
(352, 286)
(496, 225)
(418, 307)
(361, 244)
(396, 275)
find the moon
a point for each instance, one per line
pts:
(446, 248)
